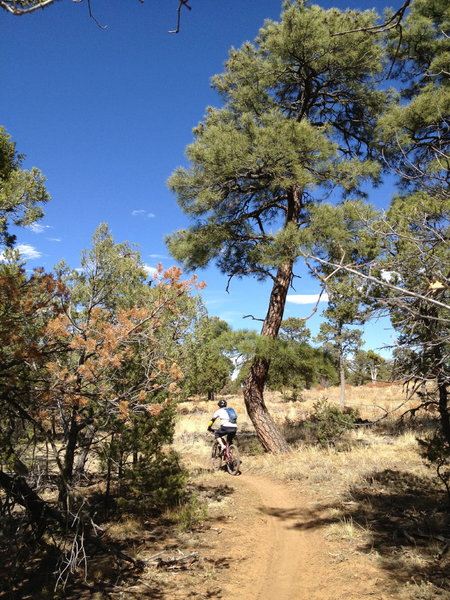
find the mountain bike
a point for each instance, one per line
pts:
(228, 457)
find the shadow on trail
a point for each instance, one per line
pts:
(288, 514)
(403, 519)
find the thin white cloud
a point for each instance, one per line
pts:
(54, 239)
(212, 301)
(26, 251)
(231, 316)
(38, 227)
(150, 270)
(306, 298)
(157, 256)
(142, 213)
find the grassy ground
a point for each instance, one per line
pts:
(379, 497)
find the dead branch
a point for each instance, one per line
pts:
(316, 306)
(91, 14)
(253, 318)
(439, 538)
(394, 21)
(176, 560)
(12, 8)
(349, 268)
(180, 4)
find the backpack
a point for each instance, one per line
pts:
(232, 416)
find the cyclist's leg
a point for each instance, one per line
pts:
(219, 435)
(230, 436)
(216, 456)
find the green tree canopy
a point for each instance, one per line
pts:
(417, 130)
(21, 192)
(206, 366)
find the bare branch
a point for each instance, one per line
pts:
(349, 268)
(391, 23)
(12, 8)
(253, 318)
(91, 14)
(180, 4)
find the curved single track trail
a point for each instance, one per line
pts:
(277, 550)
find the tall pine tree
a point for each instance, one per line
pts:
(296, 125)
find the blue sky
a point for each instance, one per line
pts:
(106, 115)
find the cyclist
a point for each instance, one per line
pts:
(228, 424)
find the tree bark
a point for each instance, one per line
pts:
(85, 448)
(71, 439)
(342, 380)
(440, 372)
(443, 408)
(268, 432)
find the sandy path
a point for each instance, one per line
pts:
(279, 552)
(281, 548)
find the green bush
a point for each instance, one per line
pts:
(190, 514)
(152, 485)
(328, 423)
(293, 395)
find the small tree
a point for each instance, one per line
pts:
(207, 367)
(369, 366)
(337, 333)
(74, 372)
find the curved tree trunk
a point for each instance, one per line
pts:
(267, 430)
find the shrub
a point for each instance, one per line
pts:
(327, 423)
(294, 395)
(153, 485)
(190, 513)
(436, 452)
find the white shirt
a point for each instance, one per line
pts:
(222, 414)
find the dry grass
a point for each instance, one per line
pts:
(374, 493)
(372, 402)
(326, 469)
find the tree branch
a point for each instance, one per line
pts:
(180, 4)
(351, 269)
(391, 23)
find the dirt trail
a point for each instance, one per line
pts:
(287, 549)
(278, 551)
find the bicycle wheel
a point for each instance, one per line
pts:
(234, 460)
(216, 456)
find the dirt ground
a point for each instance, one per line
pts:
(264, 540)
(261, 539)
(277, 550)
(282, 553)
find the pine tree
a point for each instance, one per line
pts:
(297, 121)
(21, 192)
